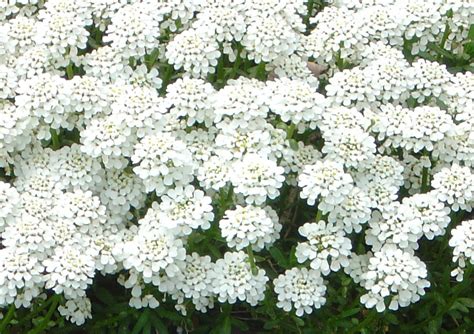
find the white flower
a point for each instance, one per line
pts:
(134, 29)
(399, 224)
(9, 204)
(393, 273)
(76, 310)
(104, 63)
(232, 280)
(76, 169)
(462, 241)
(83, 209)
(256, 178)
(150, 252)
(162, 161)
(89, 95)
(181, 210)
(351, 88)
(302, 289)
(243, 99)
(354, 211)
(70, 270)
(327, 247)
(8, 82)
(194, 51)
(269, 38)
(141, 106)
(455, 186)
(433, 213)
(214, 173)
(353, 147)
(431, 79)
(21, 272)
(190, 99)
(295, 101)
(325, 179)
(110, 138)
(196, 282)
(250, 226)
(225, 19)
(47, 96)
(63, 33)
(121, 190)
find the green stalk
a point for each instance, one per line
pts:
(220, 69)
(8, 317)
(35, 312)
(424, 180)
(55, 139)
(446, 33)
(44, 323)
(237, 62)
(290, 131)
(310, 10)
(261, 73)
(319, 216)
(70, 71)
(253, 267)
(367, 322)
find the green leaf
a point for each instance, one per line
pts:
(271, 324)
(278, 256)
(440, 50)
(470, 35)
(460, 307)
(141, 323)
(293, 144)
(434, 325)
(158, 325)
(349, 312)
(391, 318)
(468, 302)
(298, 321)
(169, 315)
(214, 250)
(240, 324)
(104, 296)
(226, 326)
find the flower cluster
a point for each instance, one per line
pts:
(135, 134)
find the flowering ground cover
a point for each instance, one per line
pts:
(236, 166)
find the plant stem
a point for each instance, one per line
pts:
(8, 317)
(446, 33)
(55, 139)
(290, 131)
(42, 326)
(35, 312)
(424, 180)
(237, 62)
(365, 323)
(253, 267)
(261, 74)
(70, 71)
(319, 215)
(310, 11)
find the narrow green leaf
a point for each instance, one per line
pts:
(141, 323)
(278, 256)
(227, 326)
(468, 302)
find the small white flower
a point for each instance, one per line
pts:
(232, 280)
(250, 226)
(327, 247)
(302, 289)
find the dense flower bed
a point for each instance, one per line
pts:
(206, 153)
